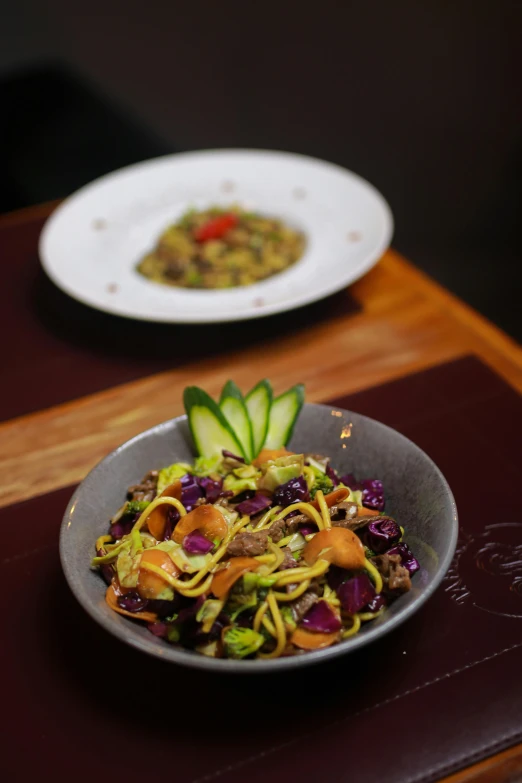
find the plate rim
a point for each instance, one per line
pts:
(342, 281)
(223, 665)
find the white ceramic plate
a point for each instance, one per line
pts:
(91, 244)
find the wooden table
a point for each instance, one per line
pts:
(406, 323)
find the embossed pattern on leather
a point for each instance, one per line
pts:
(439, 693)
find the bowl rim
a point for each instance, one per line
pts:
(157, 648)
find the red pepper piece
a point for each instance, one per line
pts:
(215, 228)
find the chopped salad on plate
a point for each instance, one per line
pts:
(252, 550)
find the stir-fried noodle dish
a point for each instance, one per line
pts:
(251, 550)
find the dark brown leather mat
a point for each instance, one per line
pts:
(439, 693)
(71, 350)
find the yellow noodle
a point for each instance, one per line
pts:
(375, 575)
(303, 587)
(181, 587)
(325, 513)
(270, 627)
(236, 527)
(278, 559)
(279, 627)
(266, 519)
(286, 540)
(298, 574)
(161, 501)
(214, 560)
(306, 509)
(364, 616)
(330, 596)
(259, 616)
(101, 541)
(198, 590)
(354, 629)
(309, 476)
(265, 558)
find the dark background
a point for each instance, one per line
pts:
(420, 97)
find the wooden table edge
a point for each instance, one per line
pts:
(28, 214)
(499, 768)
(470, 317)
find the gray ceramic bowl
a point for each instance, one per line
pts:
(416, 494)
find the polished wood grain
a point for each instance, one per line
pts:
(504, 767)
(406, 323)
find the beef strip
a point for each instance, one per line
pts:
(286, 527)
(289, 561)
(355, 523)
(344, 510)
(292, 523)
(146, 490)
(395, 577)
(277, 530)
(399, 581)
(248, 544)
(302, 604)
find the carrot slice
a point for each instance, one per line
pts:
(337, 545)
(225, 578)
(157, 521)
(150, 585)
(308, 640)
(208, 519)
(333, 497)
(111, 597)
(267, 454)
(362, 511)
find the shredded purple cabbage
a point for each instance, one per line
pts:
(159, 629)
(163, 608)
(173, 518)
(191, 492)
(372, 490)
(195, 543)
(123, 526)
(254, 505)
(375, 604)
(132, 602)
(349, 480)
(247, 494)
(107, 569)
(189, 612)
(293, 491)
(307, 528)
(335, 576)
(321, 618)
(373, 494)
(408, 559)
(381, 535)
(228, 455)
(212, 489)
(332, 475)
(355, 593)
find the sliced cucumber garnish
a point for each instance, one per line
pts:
(210, 429)
(258, 402)
(234, 409)
(283, 416)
